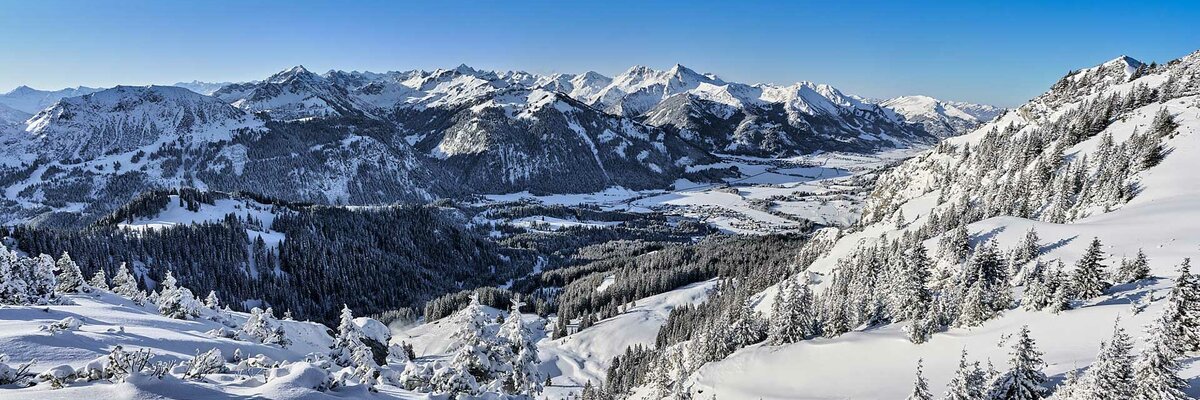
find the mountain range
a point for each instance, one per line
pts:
(372, 138)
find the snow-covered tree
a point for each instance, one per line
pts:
(99, 281)
(124, 284)
(1186, 295)
(522, 375)
(42, 282)
(1111, 376)
(176, 302)
(920, 389)
(1089, 272)
(263, 327)
(212, 302)
(14, 289)
(1136, 269)
(1030, 248)
(475, 351)
(1157, 372)
(70, 279)
(1024, 379)
(968, 381)
(792, 317)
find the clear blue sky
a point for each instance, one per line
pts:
(992, 52)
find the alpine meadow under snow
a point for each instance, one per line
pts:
(658, 234)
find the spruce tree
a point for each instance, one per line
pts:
(967, 383)
(1089, 272)
(1157, 372)
(920, 386)
(1183, 312)
(99, 281)
(1135, 270)
(124, 284)
(1024, 379)
(1111, 376)
(70, 279)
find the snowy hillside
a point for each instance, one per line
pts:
(924, 197)
(942, 118)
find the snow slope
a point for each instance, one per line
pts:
(30, 100)
(1159, 220)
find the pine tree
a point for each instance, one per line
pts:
(1039, 291)
(174, 301)
(1111, 376)
(1135, 270)
(70, 279)
(967, 383)
(791, 316)
(123, 284)
(42, 282)
(1089, 272)
(1031, 246)
(14, 289)
(212, 302)
(346, 339)
(920, 386)
(523, 375)
(1024, 379)
(99, 281)
(1183, 313)
(1157, 371)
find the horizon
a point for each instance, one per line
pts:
(998, 54)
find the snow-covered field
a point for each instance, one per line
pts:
(770, 196)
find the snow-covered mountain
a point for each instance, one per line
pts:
(942, 118)
(126, 118)
(205, 88)
(30, 100)
(293, 94)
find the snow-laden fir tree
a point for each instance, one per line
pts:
(13, 287)
(1136, 269)
(1157, 371)
(1089, 272)
(920, 389)
(1039, 289)
(99, 281)
(124, 284)
(1111, 376)
(967, 383)
(1187, 294)
(176, 302)
(42, 282)
(476, 353)
(1181, 316)
(792, 318)
(262, 326)
(745, 327)
(1024, 379)
(70, 279)
(523, 377)
(211, 301)
(1030, 247)
(1061, 300)
(956, 246)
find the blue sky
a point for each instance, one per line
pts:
(992, 52)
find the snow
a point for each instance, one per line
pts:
(175, 214)
(1159, 221)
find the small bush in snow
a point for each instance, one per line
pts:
(57, 376)
(14, 375)
(65, 324)
(209, 362)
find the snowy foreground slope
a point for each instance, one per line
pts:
(878, 362)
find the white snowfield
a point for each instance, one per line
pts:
(878, 363)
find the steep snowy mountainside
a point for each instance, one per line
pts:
(30, 100)
(294, 94)
(942, 118)
(1131, 193)
(204, 88)
(126, 118)
(763, 120)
